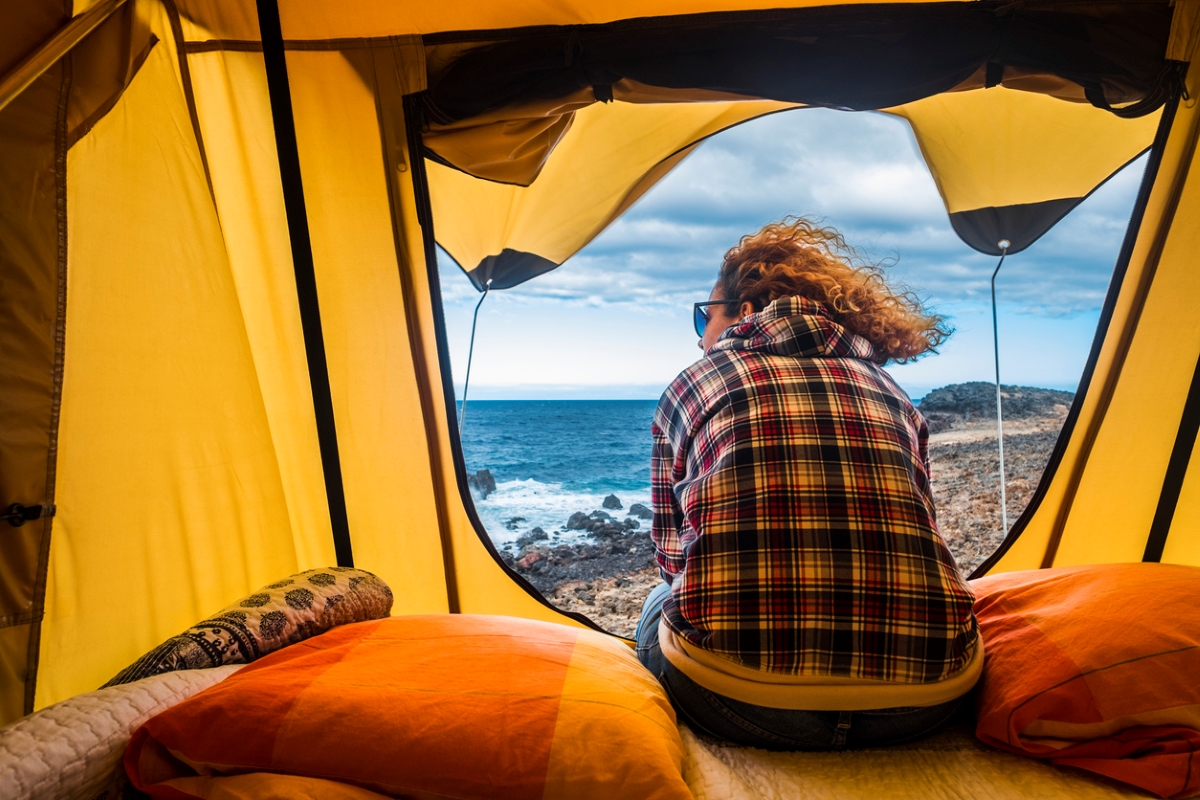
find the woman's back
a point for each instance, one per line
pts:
(793, 509)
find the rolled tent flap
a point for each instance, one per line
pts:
(611, 156)
(1010, 164)
(844, 56)
(519, 108)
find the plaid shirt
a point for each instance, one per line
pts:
(793, 516)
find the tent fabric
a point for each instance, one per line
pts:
(147, 275)
(852, 57)
(1010, 164)
(612, 154)
(357, 19)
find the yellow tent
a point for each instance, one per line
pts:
(222, 354)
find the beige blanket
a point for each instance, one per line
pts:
(948, 766)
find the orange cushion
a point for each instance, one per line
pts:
(427, 706)
(1096, 667)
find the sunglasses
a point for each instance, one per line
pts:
(700, 313)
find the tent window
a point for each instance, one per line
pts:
(562, 397)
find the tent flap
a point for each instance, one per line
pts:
(853, 57)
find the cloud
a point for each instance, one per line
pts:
(861, 173)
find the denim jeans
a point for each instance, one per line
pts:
(717, 717)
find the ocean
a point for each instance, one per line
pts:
(551, 458)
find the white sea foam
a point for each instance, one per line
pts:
(546, 506)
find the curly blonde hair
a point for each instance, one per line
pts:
(797, 256)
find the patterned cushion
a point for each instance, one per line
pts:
(281, 613)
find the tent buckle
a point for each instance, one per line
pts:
(17, 514)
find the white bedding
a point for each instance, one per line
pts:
(948, 766)
(71, 750)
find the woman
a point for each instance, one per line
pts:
(809, 602)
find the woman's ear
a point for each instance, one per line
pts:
(745, 310)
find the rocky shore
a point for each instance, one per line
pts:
(607, 573)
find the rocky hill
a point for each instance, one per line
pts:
(960, 404)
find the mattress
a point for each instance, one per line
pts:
(948, 766)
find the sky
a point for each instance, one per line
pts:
(614, 321)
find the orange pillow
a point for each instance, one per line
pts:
(428, 706)
(1096, 667)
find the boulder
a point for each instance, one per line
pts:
(612, 501)
(579, 522)
(528, 560)
(630, 524)
(535, 535)
(640, 511)
(513, 523)
(482, 482)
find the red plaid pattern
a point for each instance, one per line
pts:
(792, 509)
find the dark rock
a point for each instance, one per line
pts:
(630, 524)
(610, 550)
(579, 522)
(640, 511)
(482, 482)
(606, 530)
(513, 523)
(600, 516)
(612, 501)
(535, 535)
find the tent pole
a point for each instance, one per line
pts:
(1003, 244)
(288, 153)
(36, 63)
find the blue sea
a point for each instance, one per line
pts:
(551, 458)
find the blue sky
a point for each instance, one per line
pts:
(615, 320)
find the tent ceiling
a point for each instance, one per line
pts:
(321, 20)
(853, 57)
(1009, 163)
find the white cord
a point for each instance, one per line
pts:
(1004, 245)
(462, 413)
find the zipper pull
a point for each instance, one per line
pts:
(17, 514)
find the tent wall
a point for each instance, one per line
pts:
(1103, 499)
(187, 468)
(32, 140)
(170, 490)
(148, 279)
